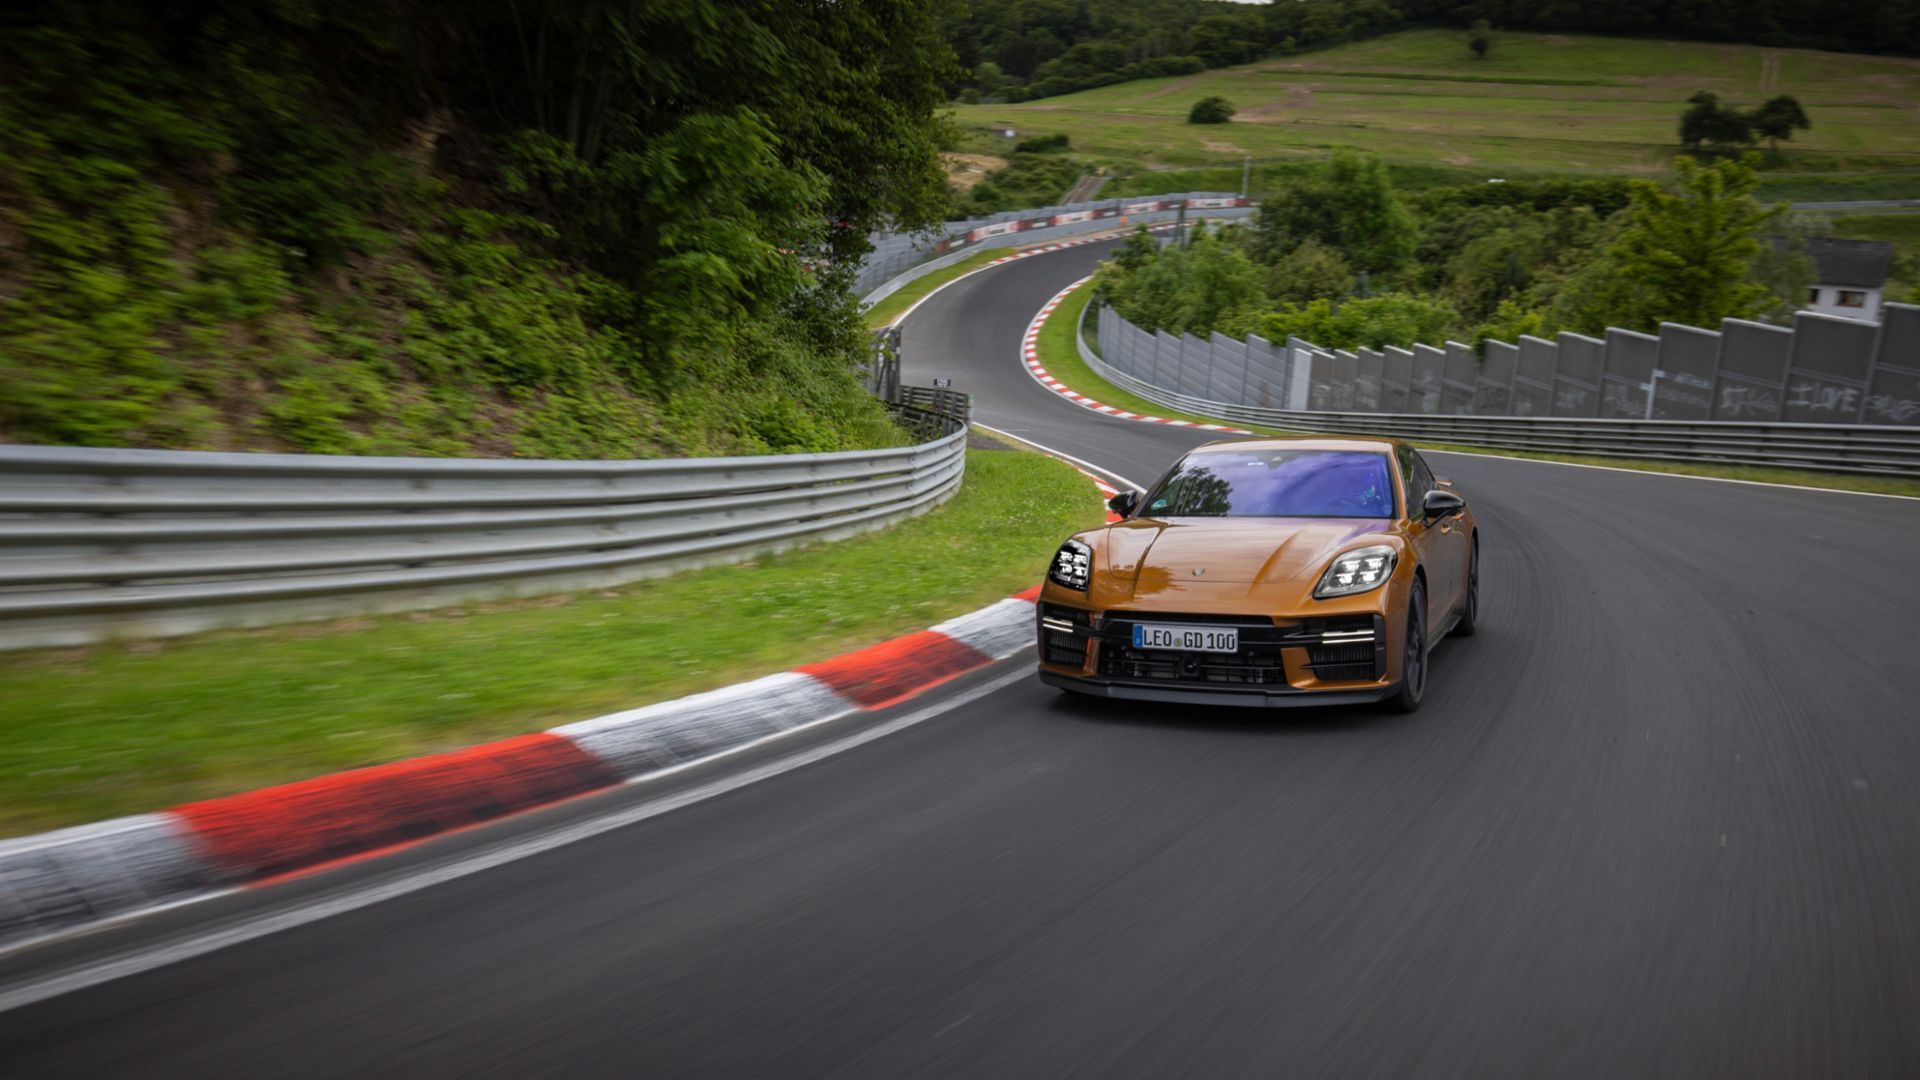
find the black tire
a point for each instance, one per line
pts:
(1413, 660)
(1470, 618)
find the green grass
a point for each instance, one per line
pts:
(1540, 102)
(1061, 358)
(1901, 230)
(127, 728)
(895, 304)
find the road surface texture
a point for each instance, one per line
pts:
(1661, 818)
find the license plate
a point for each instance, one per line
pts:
(1186, 638)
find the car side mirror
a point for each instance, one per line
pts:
(1439, 504)
(1124, 503)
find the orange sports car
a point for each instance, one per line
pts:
(1299, 571)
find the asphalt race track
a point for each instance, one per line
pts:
(1661, 818)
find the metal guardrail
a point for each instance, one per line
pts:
(895, 255)
(1850, 448)
(102, 543)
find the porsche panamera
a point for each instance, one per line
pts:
(1270, 572)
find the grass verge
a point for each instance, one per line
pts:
(896, 303)
(1061, 358)
(97, 732)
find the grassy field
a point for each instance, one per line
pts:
(92, 733)
(1539, 103)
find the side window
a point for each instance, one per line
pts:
(1420, 482)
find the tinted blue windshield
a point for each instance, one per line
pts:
(1276, 483)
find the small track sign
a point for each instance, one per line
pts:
(943, 384)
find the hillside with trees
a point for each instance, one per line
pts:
(569, 230)
(1343, 259)
(1017, 50)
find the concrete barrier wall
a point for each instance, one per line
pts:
(1822, 370)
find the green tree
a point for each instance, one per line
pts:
(1508, 323)
(1480, 38)
(1778, 118)
(1375, 322)
(1348, 205)
(1208, 285)
(1312, 271)
(1708, 123)
(1682, 255)
(989, 79)
(1210, 110)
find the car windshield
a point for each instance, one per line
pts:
(1276, 483)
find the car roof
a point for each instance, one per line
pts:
(1305, 442)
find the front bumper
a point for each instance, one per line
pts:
(1191, 694)
(1326, 658)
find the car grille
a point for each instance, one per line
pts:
(1339, 648)
(1064, 633)
(1341, 661)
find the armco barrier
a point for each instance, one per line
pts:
(98, 543)
(899, 257)
(1303, 373)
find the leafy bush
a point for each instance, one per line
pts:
(1027, 180)
(1212, 109)
(1042, 144)
(1400, 319)
(306, 227)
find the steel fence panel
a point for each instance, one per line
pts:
(1494, 390)
(1683, 379)
(1828, 369)
(1396, 380)
(1533, 377)
(1894, 395)
(1458, 379)
(1369, 371)
(1576, 382)
(1267, 368)
(1429, 379)
(1227, 370)
(1195, 360)
(1752, 381)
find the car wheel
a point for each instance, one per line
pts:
(1471, 616)
(1413, 662)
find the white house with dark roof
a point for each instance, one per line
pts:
(1851, 276)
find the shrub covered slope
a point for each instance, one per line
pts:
(563, 230)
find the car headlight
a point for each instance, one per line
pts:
(1357, 571)
(1071, 565)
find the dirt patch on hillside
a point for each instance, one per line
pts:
(1218, 147)
(966, 170)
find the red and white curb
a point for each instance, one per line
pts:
(60, 880)
(69, 878)
(1077, 241)
(1030, 357)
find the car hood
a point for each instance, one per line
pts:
(1255, 551)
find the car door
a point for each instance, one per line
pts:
(1449, 547)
